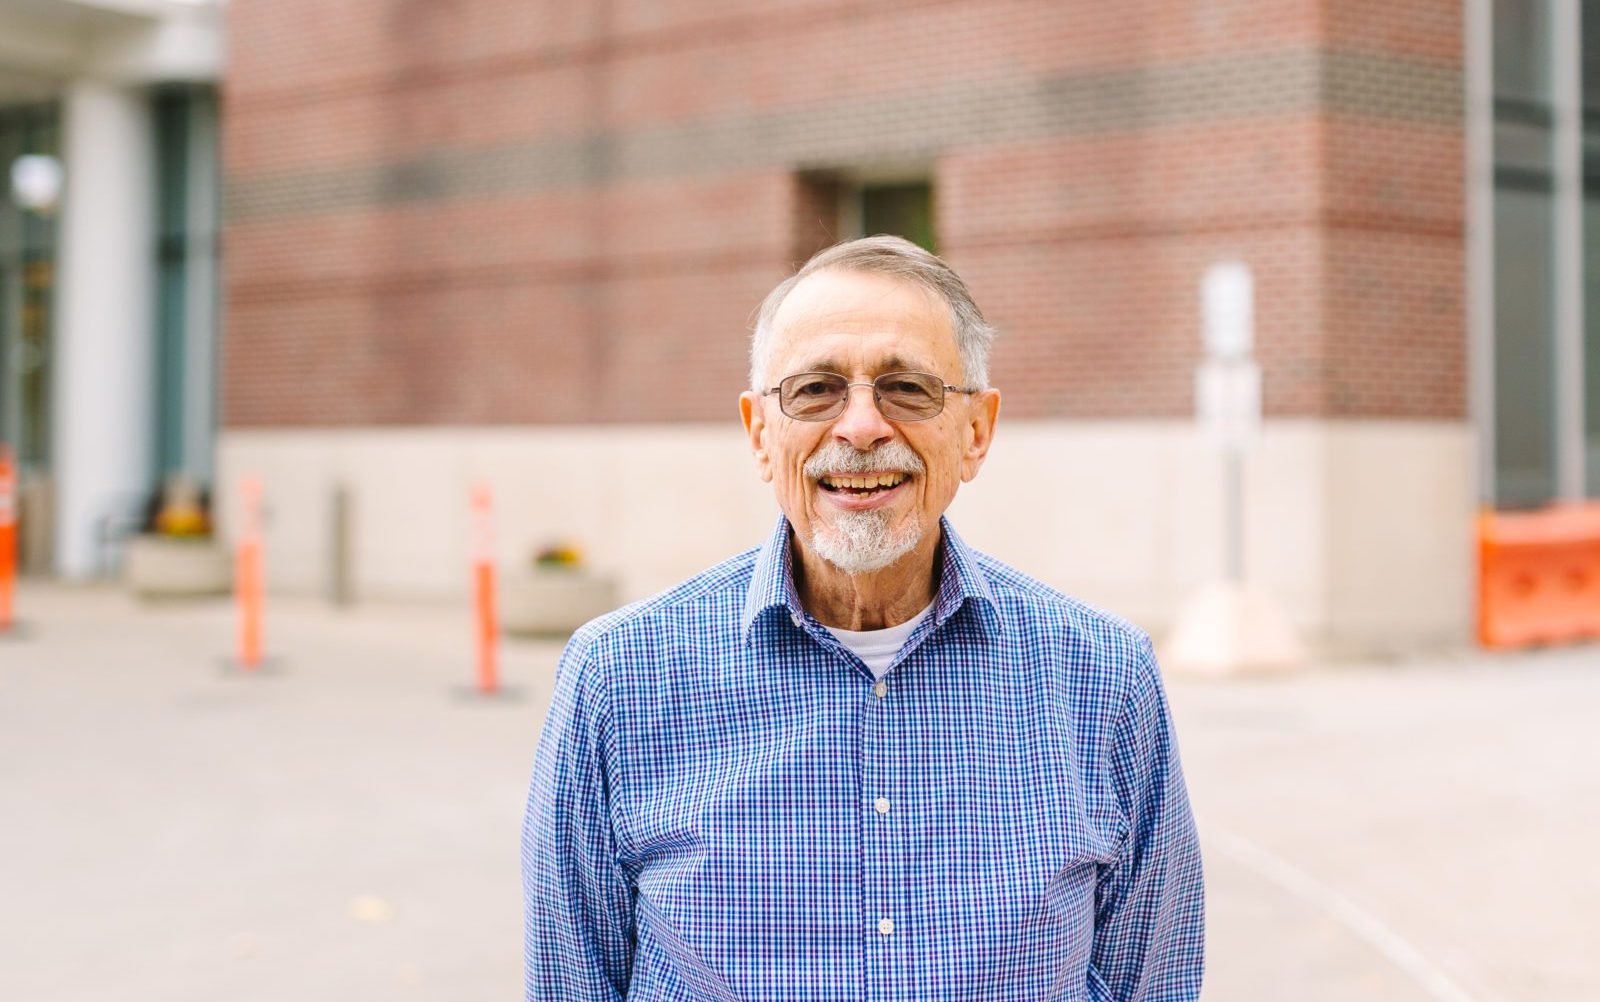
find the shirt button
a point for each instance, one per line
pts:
(881, 805)
(794, 617)
(885, 926)
(881, 689)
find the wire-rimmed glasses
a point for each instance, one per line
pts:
(900, 396)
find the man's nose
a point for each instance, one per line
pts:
(862, 424)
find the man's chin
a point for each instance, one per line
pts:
(863, 542)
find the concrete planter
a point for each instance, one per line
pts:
(544, 602)
(172, 567)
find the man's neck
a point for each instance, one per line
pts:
(873, 601)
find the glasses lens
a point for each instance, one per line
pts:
(909, 396)
(813, 396)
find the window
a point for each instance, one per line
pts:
(186, 269)
(839, 205)
(1545, 72)
(1591, 244)
(27, 280)
(904, 209)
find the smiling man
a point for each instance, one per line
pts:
(862, 761)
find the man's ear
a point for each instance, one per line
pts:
(982, 414)
(754, 417)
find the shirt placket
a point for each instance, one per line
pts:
(886, 922)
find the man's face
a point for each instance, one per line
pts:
(861, 325)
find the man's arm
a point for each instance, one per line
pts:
(1149, 937)
(577, 904)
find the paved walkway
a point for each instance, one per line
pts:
(345, 827)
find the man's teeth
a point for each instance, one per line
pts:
(864, 483)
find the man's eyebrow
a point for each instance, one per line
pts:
(895, 363)
(821, 365)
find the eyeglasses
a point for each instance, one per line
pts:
(900, 396)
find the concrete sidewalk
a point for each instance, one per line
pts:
(345, 827)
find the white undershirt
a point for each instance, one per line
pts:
(878, 647)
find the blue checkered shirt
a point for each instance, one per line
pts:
(725, 806)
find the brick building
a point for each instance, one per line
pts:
(522, 241)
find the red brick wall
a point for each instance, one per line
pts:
(506, 211)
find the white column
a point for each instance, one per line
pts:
(104, 378)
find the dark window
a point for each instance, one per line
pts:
(27, 280)
(1524, 256)
(837, 205)
(905, 210)
(172, 172)
(186, 268)
(1591, 244)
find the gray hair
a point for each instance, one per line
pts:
(898, 258)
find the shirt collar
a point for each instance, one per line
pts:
(772, 581)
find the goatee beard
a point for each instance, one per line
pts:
(860, 542)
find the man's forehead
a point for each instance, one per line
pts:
(832, 320)
(856, 300)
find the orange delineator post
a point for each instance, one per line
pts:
(483, 590)
(248, 586)
(8, 536)
(1539, 576)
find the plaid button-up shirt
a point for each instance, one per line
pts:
(726, 806)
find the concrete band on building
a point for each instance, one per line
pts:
(521, 243)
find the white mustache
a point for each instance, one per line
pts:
(837, 457)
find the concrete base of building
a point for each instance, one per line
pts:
(1359, 530)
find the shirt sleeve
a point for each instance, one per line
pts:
(1149, 941)
(577, 903)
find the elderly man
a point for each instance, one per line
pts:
(862, 761)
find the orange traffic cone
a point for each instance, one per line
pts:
(488, 635)
(249, 589)
(8, 538)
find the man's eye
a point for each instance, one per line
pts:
(814, 388)
(906, 388)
